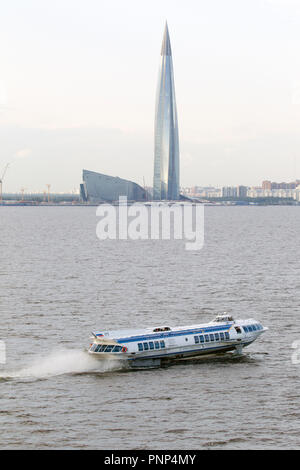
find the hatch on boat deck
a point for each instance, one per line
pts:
(161, 328)
(224, 318)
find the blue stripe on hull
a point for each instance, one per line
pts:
(171, 334)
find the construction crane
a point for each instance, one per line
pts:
(1, 181)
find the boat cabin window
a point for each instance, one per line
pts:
(151, 345)
(222, 336)
(161, 328)
(250, 328)
(105, 348)
(237, 329)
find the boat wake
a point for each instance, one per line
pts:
(59, 363)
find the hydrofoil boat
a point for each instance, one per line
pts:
(153, 346)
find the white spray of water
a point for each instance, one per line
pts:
(61, 362)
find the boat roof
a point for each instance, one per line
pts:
(135, 332)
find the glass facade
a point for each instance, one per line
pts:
(97, 187)
(166, 152)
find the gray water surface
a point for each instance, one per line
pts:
(58, 282)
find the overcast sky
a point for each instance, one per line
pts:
(78, 83)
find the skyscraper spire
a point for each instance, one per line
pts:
(166, 45)
(166, 153)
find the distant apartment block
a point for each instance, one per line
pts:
(242, 192)
(229, 191)
(278, 193)
(291, 191)
(268, 185)
(205, 192)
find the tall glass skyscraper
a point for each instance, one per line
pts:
(166, 153)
